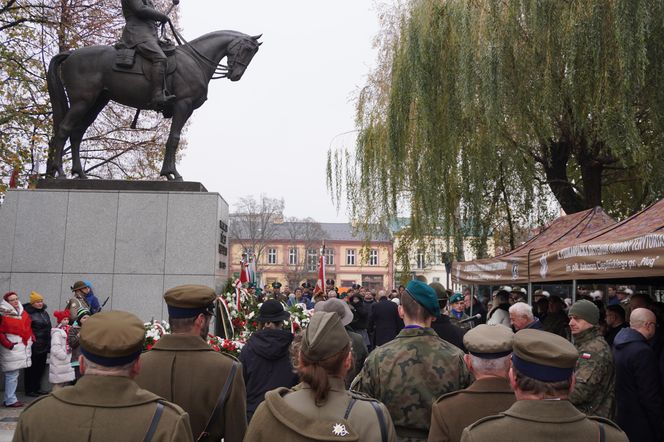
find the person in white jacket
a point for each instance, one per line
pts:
(15, 345)
(60, 371)
(499, 314)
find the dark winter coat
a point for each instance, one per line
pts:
(640, 407)
(41, 328)
(611, 333)
(266, 365)
(360, 313)
(384, 321)
(449, 332)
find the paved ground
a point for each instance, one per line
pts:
(9, 417)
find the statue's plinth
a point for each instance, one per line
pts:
(131, 239)
(154, 186)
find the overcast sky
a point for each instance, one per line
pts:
(269, 133)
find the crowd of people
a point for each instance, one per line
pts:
(27, 338)
(418, 363)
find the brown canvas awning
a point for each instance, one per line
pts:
(633, 248)
(512, 267)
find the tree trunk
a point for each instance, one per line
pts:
(591, 174)
(556, 174)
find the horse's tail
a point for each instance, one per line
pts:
(59, 103)
(56, 90)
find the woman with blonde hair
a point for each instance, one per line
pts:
(320, 406)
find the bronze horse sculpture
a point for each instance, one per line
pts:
(82, 82)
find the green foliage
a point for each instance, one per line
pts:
(483, 111)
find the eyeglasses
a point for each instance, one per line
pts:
(12, 299)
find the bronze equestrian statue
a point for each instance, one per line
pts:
(82, 82)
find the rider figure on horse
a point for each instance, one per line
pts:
(140, 33)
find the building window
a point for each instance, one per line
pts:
(312, 260)
(271, 256)
(420, 259)
(350, 257)
(292, 256)
(329, 257)
(373, 257)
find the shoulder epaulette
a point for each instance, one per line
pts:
(40, 398)
(446, 395)
(175, 407)
(604, 421)
(485, 419)
(361, 396)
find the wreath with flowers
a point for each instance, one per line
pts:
(236, 321)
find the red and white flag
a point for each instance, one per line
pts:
(320, 284)
(244, 271)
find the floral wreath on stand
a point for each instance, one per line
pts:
(235, 321)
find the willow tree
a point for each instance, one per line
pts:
(483, 108)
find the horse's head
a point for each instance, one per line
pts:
(240, 53)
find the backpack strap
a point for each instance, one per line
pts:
(602, 436)
(155, 421)
(350, 407)
(381, 420)
(220, 403)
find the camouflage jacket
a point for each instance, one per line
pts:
(594, 393)
(410, 372)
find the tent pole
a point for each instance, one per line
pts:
(573, 291)
(530, 293)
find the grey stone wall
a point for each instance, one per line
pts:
(131, 245)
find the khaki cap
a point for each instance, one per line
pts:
(186, 301)
(112, 338)
(489, 341)
(336, 305)
(543, 356)
(325, 336)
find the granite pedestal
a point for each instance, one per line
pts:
(132, 243)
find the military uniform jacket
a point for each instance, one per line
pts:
(142, 18)
(408, 373)
(455, 411)
(101, 409)
(292, 415)
(594, 393)
(545, 420)
(183, 369)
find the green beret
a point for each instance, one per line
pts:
(440, 291)
(325, 336)
(456, 298)
(187, 301)
(585, 310)
(543, 356)
(425, 296)
(489, 341)
(112, 338)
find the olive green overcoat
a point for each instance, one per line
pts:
(453, 412)
(542, 420)
(184, 369)
(101, 409)
(292, 415)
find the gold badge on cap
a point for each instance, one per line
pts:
(339, 430)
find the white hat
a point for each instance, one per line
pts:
(597, 295)
(506, 288)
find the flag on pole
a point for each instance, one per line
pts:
(244, 271)
(13, 180)
(320, 284)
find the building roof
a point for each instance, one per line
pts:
(331, 232)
